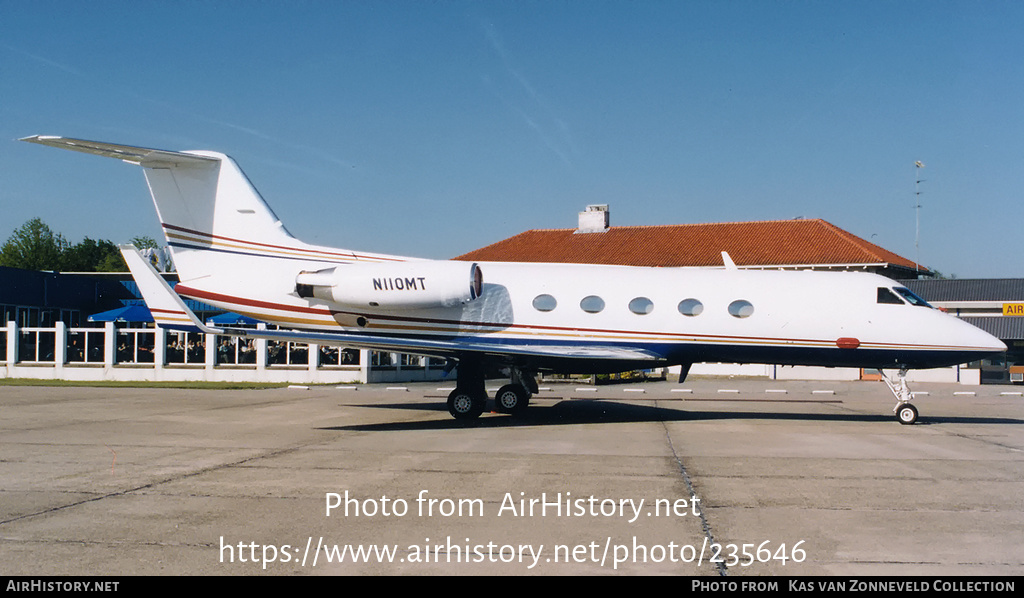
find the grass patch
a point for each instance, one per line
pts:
(199, 385)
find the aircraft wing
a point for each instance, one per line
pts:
(446, 348)
(169, 311)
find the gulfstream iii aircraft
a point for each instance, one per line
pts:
(231, 251)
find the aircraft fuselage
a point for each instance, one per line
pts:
(678, 315)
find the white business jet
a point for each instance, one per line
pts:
(231, 251)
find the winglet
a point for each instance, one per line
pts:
(729, 264)
(168, 310)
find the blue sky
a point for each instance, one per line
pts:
(434, 128)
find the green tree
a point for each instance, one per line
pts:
(106, 257)
(112, 262)
(93, 256)
(144, 242)
(34, 246)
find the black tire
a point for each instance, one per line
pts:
(907, 414)
(511, 398)
(464, 405)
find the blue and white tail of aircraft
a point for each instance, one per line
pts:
(232, 251)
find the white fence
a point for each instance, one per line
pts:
(155, 354)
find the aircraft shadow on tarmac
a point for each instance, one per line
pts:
(590, 411)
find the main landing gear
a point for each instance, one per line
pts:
(469, 399)
(906, 413)
(466, 404)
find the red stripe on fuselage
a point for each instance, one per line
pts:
(343, 256)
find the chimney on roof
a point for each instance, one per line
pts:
(594, 219)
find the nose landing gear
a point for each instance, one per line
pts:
(906, 413)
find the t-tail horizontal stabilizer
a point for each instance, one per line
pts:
(143, 156)
(168, 310)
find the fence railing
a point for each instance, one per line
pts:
(36, 345)
(148, 353)
(85, 345)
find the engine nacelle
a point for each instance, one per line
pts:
(398, 285)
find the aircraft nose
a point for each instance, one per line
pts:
(997, 345)
(983, 340)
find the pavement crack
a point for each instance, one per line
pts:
(704, 525)
(153, 484)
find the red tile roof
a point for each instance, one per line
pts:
(769, 243)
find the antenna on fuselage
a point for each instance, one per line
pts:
(729, 264)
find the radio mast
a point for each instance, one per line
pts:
(918, 166)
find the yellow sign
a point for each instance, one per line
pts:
(1013, 309)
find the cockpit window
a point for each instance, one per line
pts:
(887, 296)
(911, 297)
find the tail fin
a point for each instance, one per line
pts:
(228, 247)
(204, 202)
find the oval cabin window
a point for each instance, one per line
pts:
(592, 304)
(641, 306)
(741, 309)
(544, 303)
(690, 307)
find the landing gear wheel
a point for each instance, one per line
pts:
(464, 405)
(907, 414)
(511, 398)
